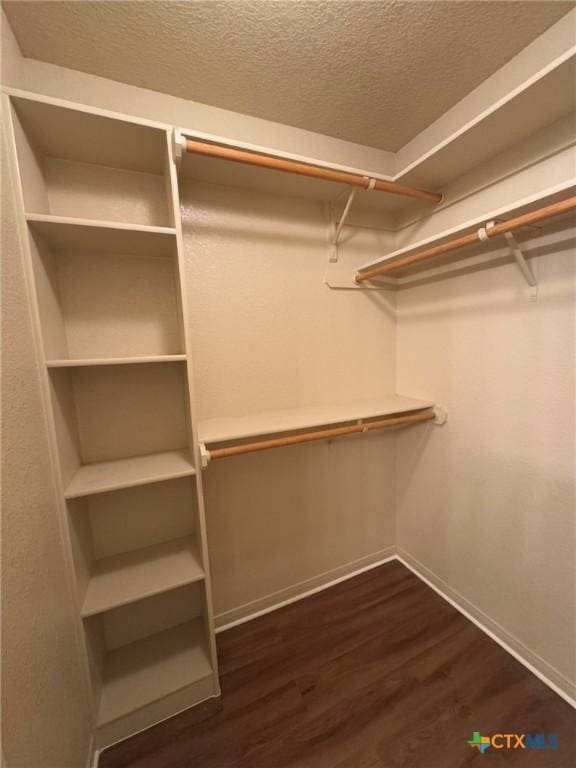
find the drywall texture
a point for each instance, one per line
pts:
(359, 59)
(46, 718)
(11, 58)
(486, 503)
(268, 334)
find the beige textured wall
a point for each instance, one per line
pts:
(487, 503)
(268, 334)
(45, 712)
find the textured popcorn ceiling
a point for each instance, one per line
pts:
(373, 72)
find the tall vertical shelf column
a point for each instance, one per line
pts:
(104, 260)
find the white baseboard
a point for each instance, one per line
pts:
(94, 755)
(275, 600)
(548, 674)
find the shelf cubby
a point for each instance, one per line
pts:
(146, 652)
(105, 292)
(81, 164)
(134, 543)
(120, 425)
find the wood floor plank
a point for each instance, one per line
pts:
(376, 672)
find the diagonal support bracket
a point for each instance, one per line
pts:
(523, 265)
(518, 254)
(337, 226)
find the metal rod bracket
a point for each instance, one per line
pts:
(178, 146)
(204, 455)
(440, 415)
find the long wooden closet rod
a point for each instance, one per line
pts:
(323, 434)
(303, 169)
(547, 212)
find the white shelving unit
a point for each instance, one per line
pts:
(101, 214)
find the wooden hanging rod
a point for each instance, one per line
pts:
(547, 212)
(323, 434)
(303, 169)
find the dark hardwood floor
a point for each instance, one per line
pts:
(376, 672)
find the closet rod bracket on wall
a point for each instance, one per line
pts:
(338, 224)
(178, 146)
(440, 415)
(204, 455)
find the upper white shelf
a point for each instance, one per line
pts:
(272, 422)
(68, 233)
(546, 197)
(127, 473)
(132, 576)
(542, 99)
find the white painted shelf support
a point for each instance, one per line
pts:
(204, 455)
(523, 265)
(518, 254)
(178, 147)
(337, 226)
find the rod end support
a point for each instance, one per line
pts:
(440, 415)
(204, 455)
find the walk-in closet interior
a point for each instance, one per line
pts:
(288, 384)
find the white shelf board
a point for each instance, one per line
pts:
(546, 197)
(68, 233)
(126, 473)
(540, 102)
(88, 361)
(148, 670)
(273, 422)
(132, 576)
